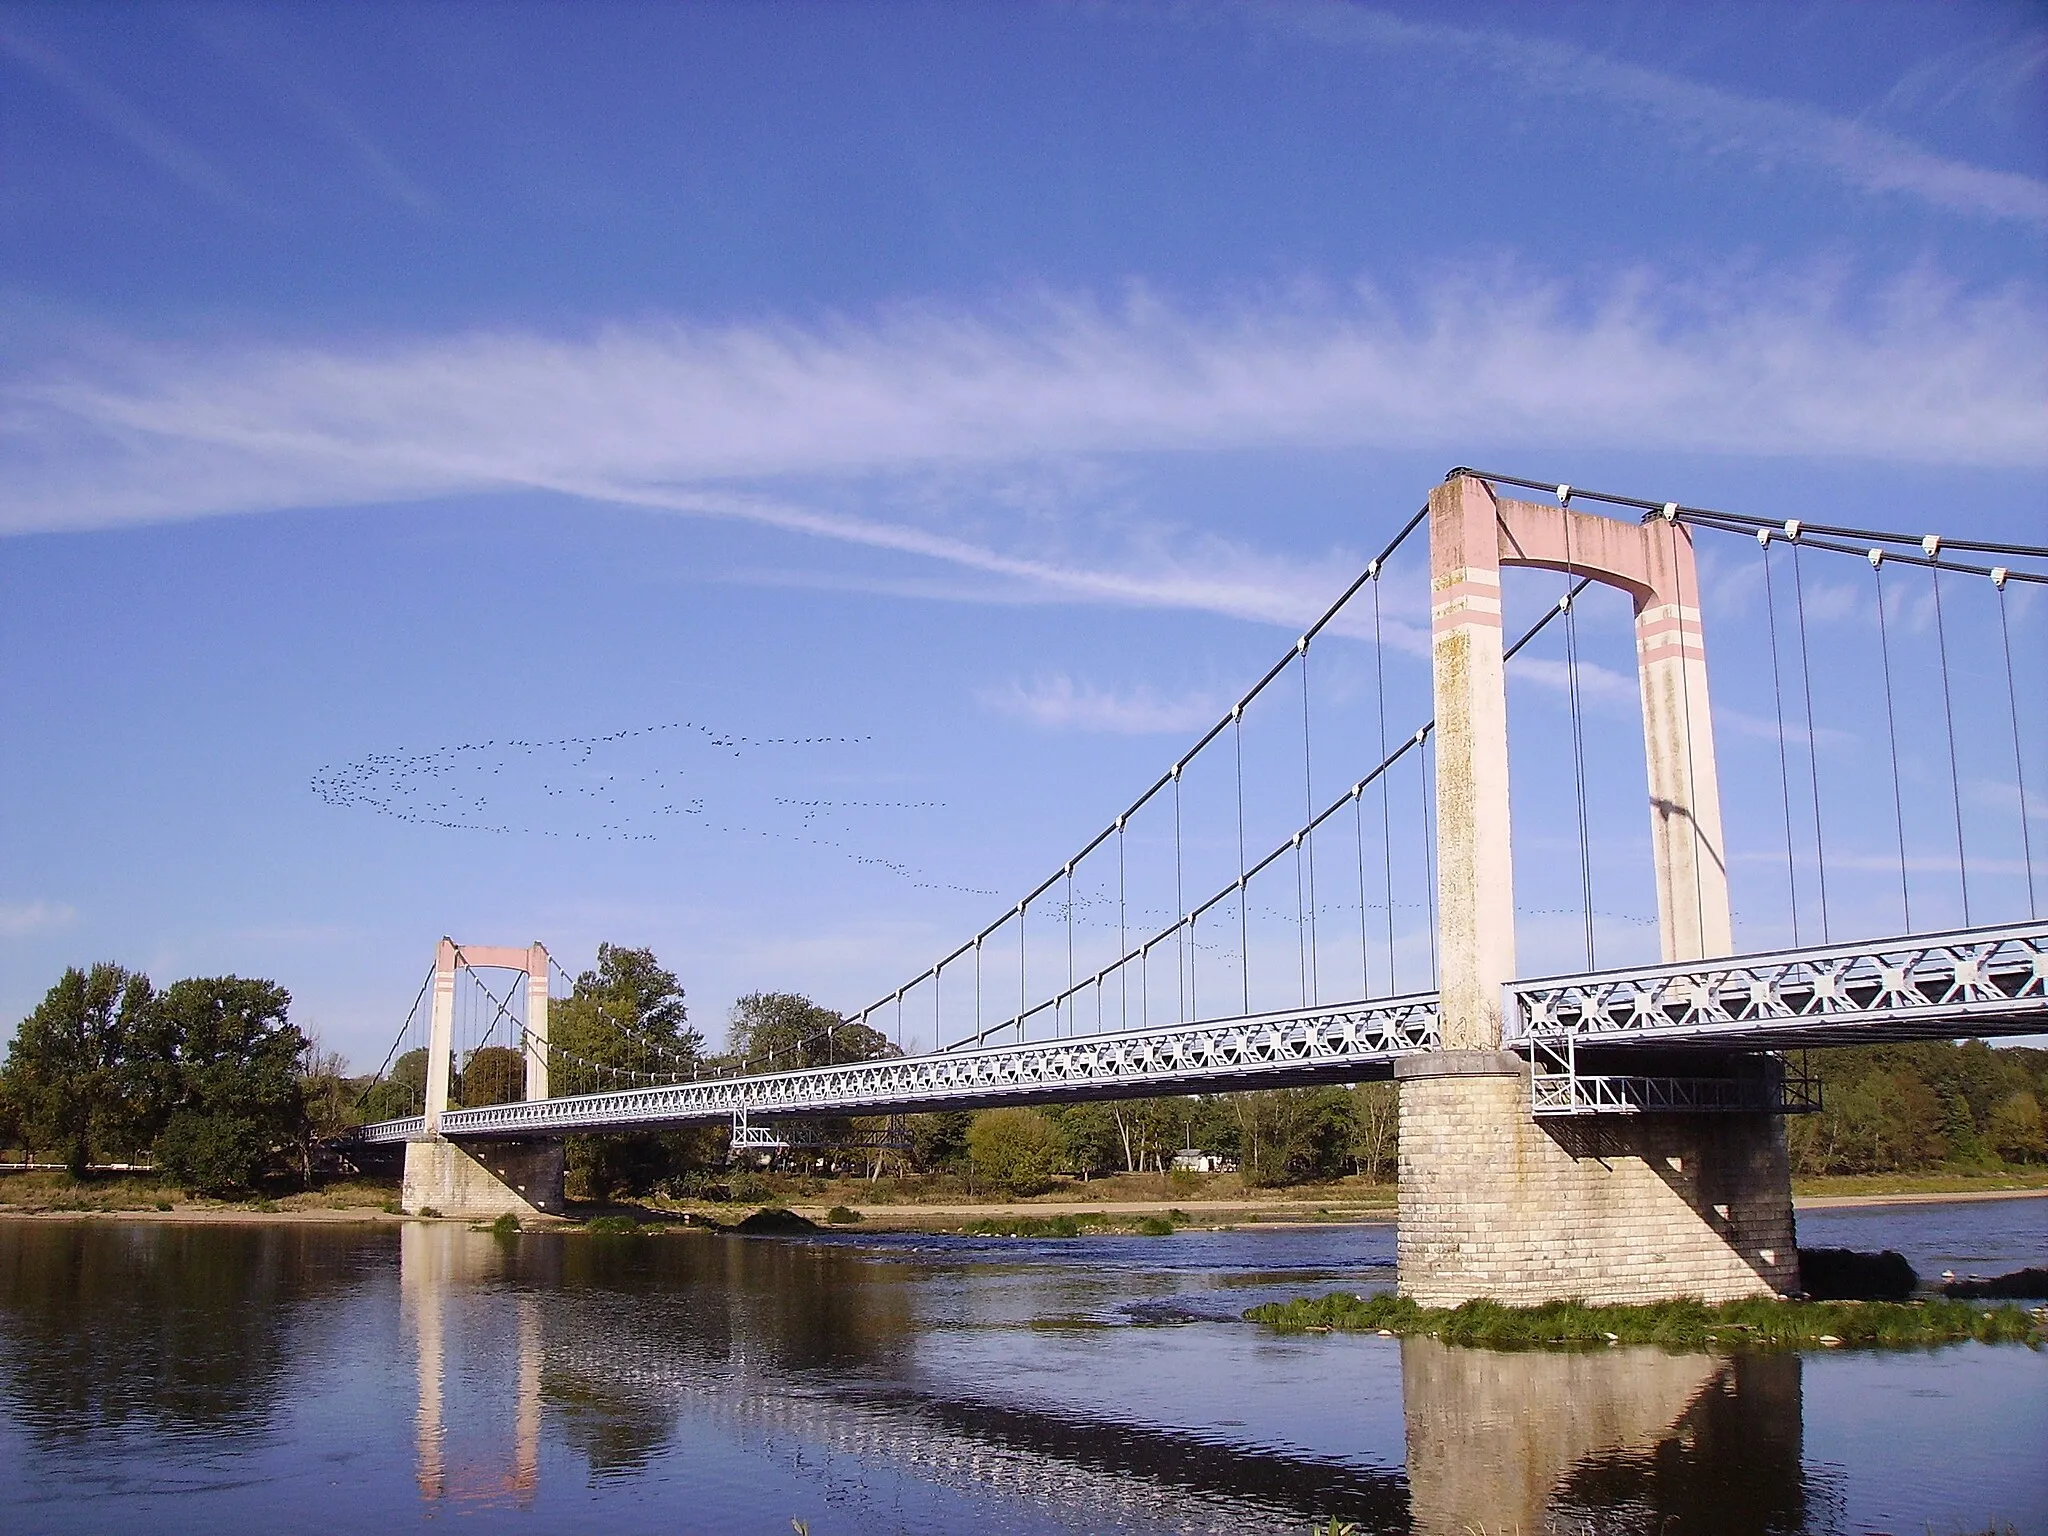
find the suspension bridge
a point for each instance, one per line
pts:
(1256, 918)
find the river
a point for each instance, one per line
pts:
(263, 1379)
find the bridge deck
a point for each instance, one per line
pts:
(1981, 981)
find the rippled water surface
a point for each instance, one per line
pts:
(264, 1379)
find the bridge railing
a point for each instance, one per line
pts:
(1929, 986)
(1304, 1045)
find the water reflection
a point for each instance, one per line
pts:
(184, 1329)
(1673, 1442)
(812, 1343)
(730, 1384)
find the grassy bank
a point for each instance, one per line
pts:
(1963, 1181)
(46, 1190)
(1759, 1324)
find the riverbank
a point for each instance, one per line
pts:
(1220, 1202)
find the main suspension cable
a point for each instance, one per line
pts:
(1736, 522)
(1322, 622)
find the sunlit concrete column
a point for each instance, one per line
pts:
(1475, 852)
(441, 1035)
(536, 1051)
(1678, 740)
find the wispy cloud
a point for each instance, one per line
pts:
(1599, 687)
(20, 919)
(637, 412)
(774, 424)
(1769, 132)
(1726, 717)
(1057, 702)
(118, 116)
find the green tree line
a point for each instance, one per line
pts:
(210, 1080)
(1929, 1105)
(207, 1077)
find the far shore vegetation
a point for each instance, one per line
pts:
(1686, 1325)
(205, 1090)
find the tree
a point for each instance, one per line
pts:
(495, 1074)
(65, 1066)
(10, 1117)
(239, 1097)
(329, 1097)
(2016, 1131)
(1375, 1128)
(1089, 1132)
(623, 1018)
(401, 1091)
(782, 1031)
(624, 1022)
(1014, 1149)
(939, 1140)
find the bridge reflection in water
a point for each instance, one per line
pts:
(615, 1366)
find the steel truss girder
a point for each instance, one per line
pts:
(1578, 1093)
(1978, 981)
(1333, 1043)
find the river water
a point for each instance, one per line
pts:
(247, 1379)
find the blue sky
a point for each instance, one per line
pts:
(947, 409)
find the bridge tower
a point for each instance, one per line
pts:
(1495, 1202)
(484, 1178)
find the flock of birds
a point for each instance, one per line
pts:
(627, 786)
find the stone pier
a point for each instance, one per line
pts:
(1494, 1202)
(483, 1178)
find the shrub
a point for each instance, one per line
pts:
(1762, 1323)
(773, 1220)
(507, 1225)
(1015, 1149)
(1155, 1226)
(210, 1154)
(613, 1226)
(1843, 1274)
(843, 1216)
(1024, 1226)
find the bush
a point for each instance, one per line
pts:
(210, 1154)
(746, 1189)
(1155, 1226)
(1024, 1226)
(772, 1221)
(843, 1216)
(1762, 1323)
(505, 1226)
(1014, 1149)
(1843, 1274)
(613, 1226)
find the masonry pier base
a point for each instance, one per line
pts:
(484, 1178)
(1500, 1204)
